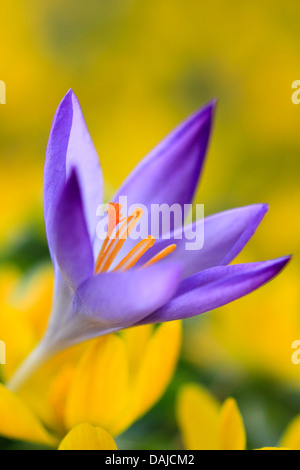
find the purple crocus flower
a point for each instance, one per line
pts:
(91, 298)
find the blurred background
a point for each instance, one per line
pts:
(138, 68)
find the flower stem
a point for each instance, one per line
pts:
(32, 363)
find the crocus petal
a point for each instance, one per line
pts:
(70, 146)
(16, 332)
(215, 287)
(99, 392)
(198, 418)
(87, 437)
(291, 437)
(225, 234)
(170, 173)
(152, 369)
(143, 359)
(71, 241)
(18, 422)
(232, 432)
(45, 393)
(119, 299)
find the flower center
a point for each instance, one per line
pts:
(118, 230)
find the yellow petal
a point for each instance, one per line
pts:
(18, 422)
(87, 437)
(58, 393)
(291, 437)
(14, 329)
(99, 391)
(152, 368)
(44, 392)
(136, 340)
(157, 366)
(24, 310)
(232, 431)
(18, 338)
(35, 300)
(198, 418)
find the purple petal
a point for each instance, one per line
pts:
(225, 234)
(119, 299)
(170, 173)
(71, 242)
(70, 146)
(215, 287)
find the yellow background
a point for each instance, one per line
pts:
(138, 68)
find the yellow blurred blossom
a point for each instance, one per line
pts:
(87, 437)
(205, 424)
(107, 382)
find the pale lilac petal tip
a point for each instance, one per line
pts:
(70, 146)
(170, 173)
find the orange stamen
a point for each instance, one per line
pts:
(118, 230)
(161, 255)
(114, 218)
(118, 241)
(135, 254)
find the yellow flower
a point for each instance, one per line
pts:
(17, 420)
(87, 437)
(107, 382)
(206, 424)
